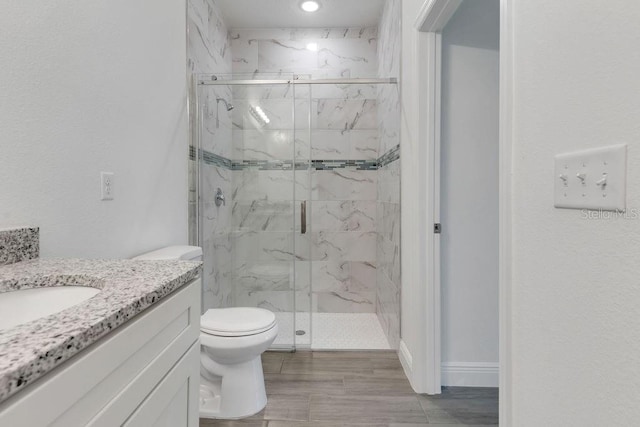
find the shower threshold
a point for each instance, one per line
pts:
(331, 331)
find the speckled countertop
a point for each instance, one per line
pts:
(128, 287)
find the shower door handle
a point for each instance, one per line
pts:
(303, 217)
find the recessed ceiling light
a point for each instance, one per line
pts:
(310, 6)
(313, 47)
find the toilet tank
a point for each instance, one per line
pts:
(186, 253)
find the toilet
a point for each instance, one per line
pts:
(232, 341)
(231, 378)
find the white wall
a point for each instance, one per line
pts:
(575, 311)
(469, 194)
(89, 87)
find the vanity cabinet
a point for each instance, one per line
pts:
(144, 373)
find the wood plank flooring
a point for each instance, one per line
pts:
(357, 389)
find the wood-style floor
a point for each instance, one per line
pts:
(349, 389)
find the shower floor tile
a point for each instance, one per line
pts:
(286, 329)
(332, 331)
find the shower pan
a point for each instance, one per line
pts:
(297, 162)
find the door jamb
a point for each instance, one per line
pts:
(433, 17)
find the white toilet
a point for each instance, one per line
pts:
(231, 342)
(231, 379)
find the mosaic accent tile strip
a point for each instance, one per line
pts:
(389, 157)
(265, 165)
(19, 244)
(215, 160)
(363, 165)
(315, 164)
(318, 164)
(211, 159)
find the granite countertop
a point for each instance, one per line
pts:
(128, 287)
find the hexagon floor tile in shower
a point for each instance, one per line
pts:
(332, 331)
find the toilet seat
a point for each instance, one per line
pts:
(236, 321)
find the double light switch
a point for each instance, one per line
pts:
(592, 179)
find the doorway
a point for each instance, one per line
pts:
(420, 349)
(469, 187)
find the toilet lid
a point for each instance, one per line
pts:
(237, 321)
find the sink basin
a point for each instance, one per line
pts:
(25, 305)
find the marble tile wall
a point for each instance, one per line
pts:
(208, 51)
(351, 249)
(264, 182)
(388, 278)
(345, 52)
(333, 122)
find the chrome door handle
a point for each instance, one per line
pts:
(303, 217)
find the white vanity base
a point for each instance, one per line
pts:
(145, 373)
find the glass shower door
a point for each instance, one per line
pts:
(251, 239)
(304, 224)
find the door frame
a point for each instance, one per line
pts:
(433, 17)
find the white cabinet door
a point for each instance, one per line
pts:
(166, 407)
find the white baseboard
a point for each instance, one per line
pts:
(470, 374)
(405, 359)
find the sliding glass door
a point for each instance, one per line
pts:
(253, 187)
(298, 205)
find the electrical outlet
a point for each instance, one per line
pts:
(106, 179)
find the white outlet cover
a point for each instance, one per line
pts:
(106, 182)
(592, 165)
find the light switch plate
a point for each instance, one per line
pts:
(593, 179)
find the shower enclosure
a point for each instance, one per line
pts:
(288, 173)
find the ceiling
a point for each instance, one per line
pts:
(287, 14)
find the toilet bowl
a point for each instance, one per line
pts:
(232, 341)
(231, 378)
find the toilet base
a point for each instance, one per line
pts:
(231, 392)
